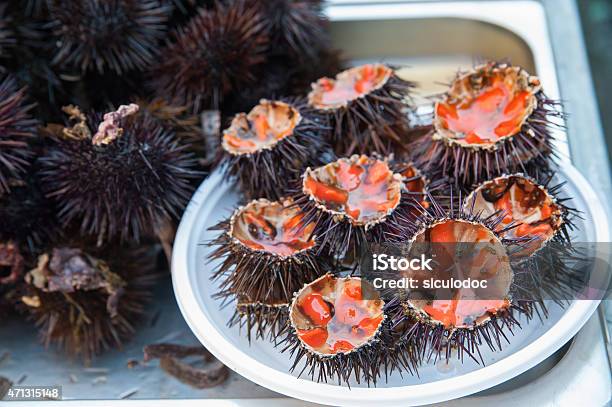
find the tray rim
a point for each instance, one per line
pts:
(283, 382)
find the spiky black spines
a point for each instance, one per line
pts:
(258, 319)
(28, 217)
(17, 127)
(437, 323)
(12, 265)
(86, 303)
(7, 35)
(297, 27)
(353, 202)
(218, 52)
(267, 149)
(267, 254)
(179, 119)
(367, 108)
(494, 119)
(334, 331)
(121, 175)
(116, 35)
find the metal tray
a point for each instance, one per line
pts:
(434, 38)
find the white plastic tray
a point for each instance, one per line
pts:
(262, 363)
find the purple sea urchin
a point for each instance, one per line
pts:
(16, 128)
(268, 253)
(121, 180)
(494, 119)
(366, 106)
(334, 328)
(353, 202)
(219, 51)
(86, 304)
(267, 149)
(297, 27)
(120, 35)
(436, 321)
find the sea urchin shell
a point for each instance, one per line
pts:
(465, 246)
(268, 148)
(494, 119)
(268, 253)
(353, 201)
(366, 107)
(335, 325)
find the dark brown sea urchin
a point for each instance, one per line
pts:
(86, 304)
(366, 106)
(494, 119)
(120, 35)
(217, 52)
(267, 149)
(16, 128)
(121, 180)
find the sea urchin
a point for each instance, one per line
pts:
(118, 176)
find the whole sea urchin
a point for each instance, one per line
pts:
(366, 106)
(84, 303)
(267, 149)
(120, 35)
(121, 180)
(217, 52)
(494, 119)
(297, 27)
(16, 128)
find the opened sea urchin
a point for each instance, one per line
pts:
(494, 119)
(334, 330)
(366, 106)
(268, 148)
(442, 313)
(353, 201)
(268, 253)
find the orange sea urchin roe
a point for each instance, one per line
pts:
(497, 110)
(331, 316)
(465, 250)
(523, 202)
(265, 125)
(348, 85)
(364, 189)
(275, 227)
